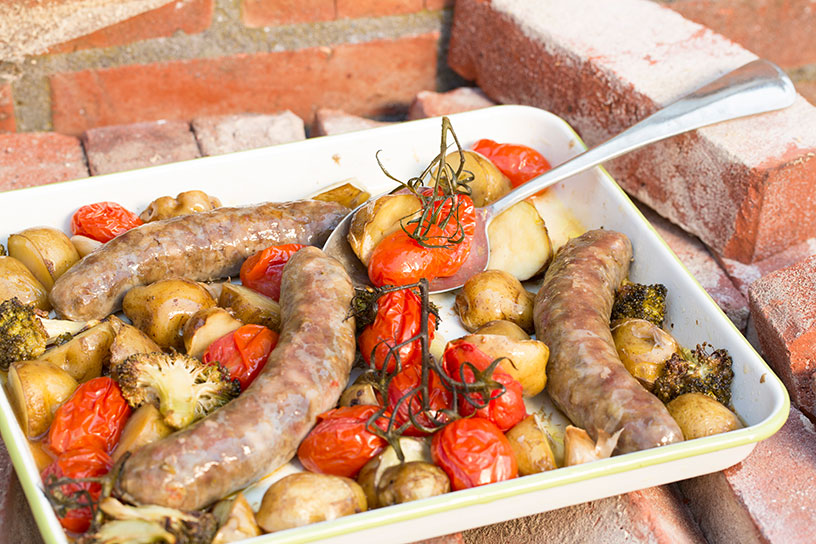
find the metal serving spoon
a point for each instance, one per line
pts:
(757, 87)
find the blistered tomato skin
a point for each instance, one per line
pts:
(407, 380)
(243, 352)
(262, 271)
(518, 162)
(473, 452)
(103, 221)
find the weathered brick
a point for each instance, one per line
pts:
(807, 88)
(15, 515)
(778, 31)
(328, 121)
(261, 13)
(783, 310)
(654, 515)
(227, 133)
(188, 16)
(702, 265)
(743, 275)
(372, 78)
(36, 158)
(746, 197)
(455, 538)
(350, 9)
(139, 145)
(7, 121)
(431, 104)
(769, 498)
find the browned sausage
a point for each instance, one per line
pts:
(202, 246)
(261, 429)
(585, 376)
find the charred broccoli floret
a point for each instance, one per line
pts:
(696, 371)
(183, 388)
(640, 301)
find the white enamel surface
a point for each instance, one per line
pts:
(589, 200)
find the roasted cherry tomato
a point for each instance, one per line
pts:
(79, 463)
(407, 382)
(263, 270)
(504, 409)
(103, 221)
(397, 320)
(399, 259)
(243, 352)
(93, 417)
(518, 162)
(340, 444)
(473, 452)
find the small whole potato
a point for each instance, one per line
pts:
(526, 359)
(361, 392)
(370, 476)
(306, 497)
(699, 415)
(502, 327)
(184, 204)
(411, 481)
(491, 295)
(643, 348)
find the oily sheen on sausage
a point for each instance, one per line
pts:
(202, 246)
(262, 428)
(586, 379)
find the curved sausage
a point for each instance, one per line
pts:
(261, 429)
(585, 376)
(202, 246)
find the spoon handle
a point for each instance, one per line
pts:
(757, 87)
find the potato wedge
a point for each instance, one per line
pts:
(519, 242)
(251, 307)
(347, 194)
(127, 341)
(531, 447)
(377, 219)
(17, 281)
(488, 184)
(236, 520)
(83, 356)
(491, 295)
(144, 426)
(205, 327)
(527, 359)
(45, 251)
(36, 389)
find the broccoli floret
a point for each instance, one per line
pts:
(183, 388)
(129, 532)
(696, 371)
(639, 301)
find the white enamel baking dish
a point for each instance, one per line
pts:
(586, 201)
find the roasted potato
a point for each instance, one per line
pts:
(488, 184)
(161, 309)
(411, 481)
(250, 306)
(205, 327)
(347, 194)
(84, 355)
(184, 204)
(643, 348)
(491, 295)
(17, 281)
(85, 245)
(36, 389)
(503, 327)
(699, 415)
(144, 426)
(377, 219)
(45, 251)
(531, 447)
(236, 520)
(519, 242)
(362, 391)
(127, 341)
(370, 476)
(526, 359)
(306, 497)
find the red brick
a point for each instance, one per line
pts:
(783, 310)
(807, 89)
(328, 122)
(746, 197)
(188, 16)
(702, 265)
(447, 539)
(780, 31)
(261, 13)
(15, 515)
(227, 133)
(127, 147)
(431, 104)
(654, 515)
(7, 121)
(37, 158)
(769, 498)
(350, 9)
(743, 275)
(438, 4)
(372, 78)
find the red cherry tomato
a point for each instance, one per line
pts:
(518, 162)
(340, 444)
(79, 463)
(408, 380)
(103, 221)
(243, 352)
(473, 452)
(505, 410)
(93, 417)
(263, 270)
(397, 320)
